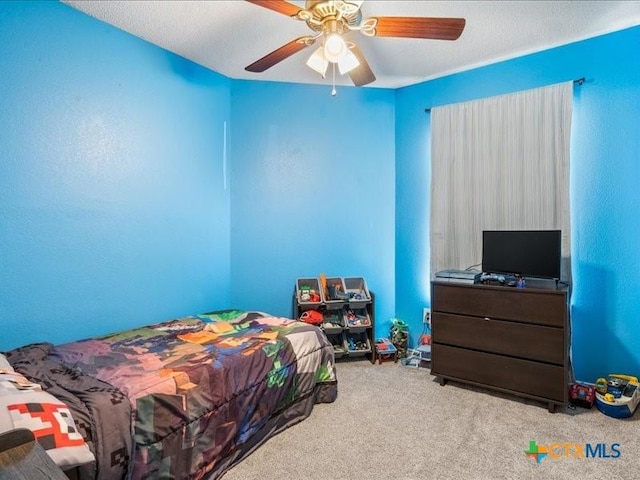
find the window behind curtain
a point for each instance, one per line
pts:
(500, 163)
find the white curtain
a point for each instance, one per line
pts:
(500, 163)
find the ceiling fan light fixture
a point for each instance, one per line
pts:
(331, 19)
(348, 63)
(334, 47)
(318, 62)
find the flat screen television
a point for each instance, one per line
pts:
(529, 253)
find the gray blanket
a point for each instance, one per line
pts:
(102, 413)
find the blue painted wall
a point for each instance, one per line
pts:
(113, 211)
(605, 172)
(312, 191)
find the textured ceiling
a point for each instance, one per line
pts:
(226, 36)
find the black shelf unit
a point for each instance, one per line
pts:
(349, 339)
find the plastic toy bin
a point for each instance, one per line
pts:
(356, 319)
(334, 295)
(337, 340)
(356, 288)
(333, 322)
(307, 287)
(357, 344)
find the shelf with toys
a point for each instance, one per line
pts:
(343, 308)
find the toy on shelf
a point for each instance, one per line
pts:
(356, 289)
(308, 292)
(617, 395)
(313, 317)
(356, 317)
(332, 322)
(357, 343)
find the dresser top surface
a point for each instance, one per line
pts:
(533, 285)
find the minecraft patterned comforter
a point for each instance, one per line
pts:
(206, 390)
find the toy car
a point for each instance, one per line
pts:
(582, 395)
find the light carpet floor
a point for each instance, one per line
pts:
(396, 422)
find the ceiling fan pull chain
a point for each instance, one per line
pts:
(333, 91)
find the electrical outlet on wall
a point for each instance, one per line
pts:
(426, 315)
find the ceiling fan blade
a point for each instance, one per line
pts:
(279, 54)
(279, 6)
(362, 74)
(420, 27)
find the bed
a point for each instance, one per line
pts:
(187, 398)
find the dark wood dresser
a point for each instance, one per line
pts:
(513, 340)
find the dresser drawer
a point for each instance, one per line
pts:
(541, 307)
(513, 374)
(533, 342)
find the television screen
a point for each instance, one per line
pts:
(530, 253)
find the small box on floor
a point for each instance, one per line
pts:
(385, 350)
(418, 357)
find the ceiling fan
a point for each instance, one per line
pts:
(331, 19)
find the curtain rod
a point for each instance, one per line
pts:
(578, 81)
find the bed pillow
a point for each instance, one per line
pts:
(25, 405)
(5, 366)
(221, 315)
